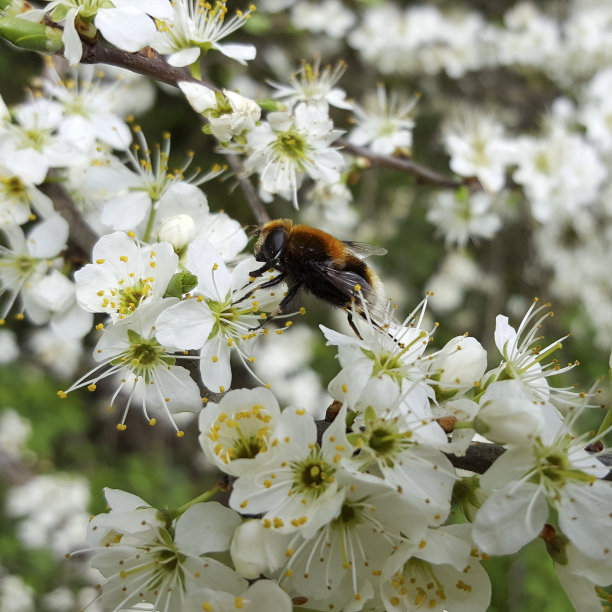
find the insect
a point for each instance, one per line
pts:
(310, 259)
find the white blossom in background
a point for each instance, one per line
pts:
(560, 173)
(9, 348)
(384, 123)
(124, 23)
(286, 147)
(15, 594)
(196, 27)
(61, 356)
(330, 17)
(314, 86)
(529, 38)
(478, 147)
(88, 105)
(26, 260)
(14, 433)
(31, 146)
(52, 512)
(330, 207)
(19, 198)
(462, 216)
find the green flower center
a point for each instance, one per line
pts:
(313, 475)
(291, 144)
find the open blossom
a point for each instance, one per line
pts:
(385, 369)
(438, 572)
(294, 482)
(261, 595)
(131, 197)
(124, 23)
(217, 319)
(312, 85)
(160, 563)
(26, 260)
(18, 198)
(524, 358)
(555, 471)
(478, 147)
(462, 216)
(288, 146)
(238, 428)
(31, 145)
(124, 275)
(195, 27)
(385, 123)
(89, 112)
(146, 370)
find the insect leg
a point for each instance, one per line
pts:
(283, 303)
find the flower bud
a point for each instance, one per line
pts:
(179, 231)
(508, 415)
(460, 364)
(31, 36)
(256, 550)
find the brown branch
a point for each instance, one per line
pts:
(259, 210)
(478, 458)
(422, 174)
(146, 62)
(80, 233)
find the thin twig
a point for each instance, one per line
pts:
(146, 62)
(423, 174)
(80, 233)
(259, 210)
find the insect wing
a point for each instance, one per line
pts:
(364, 249)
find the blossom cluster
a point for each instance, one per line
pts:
(345, 498)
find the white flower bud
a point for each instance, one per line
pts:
(245, 114)
(256, 550)
(178, 231)
(462, 362)
(200, 98)
(508, 415)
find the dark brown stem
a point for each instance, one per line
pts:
(146, 62)
(81, 234)
(422, 174)
(259, 210)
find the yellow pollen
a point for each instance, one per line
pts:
(152, 421)
(91, 387)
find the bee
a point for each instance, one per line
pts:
(312, 260)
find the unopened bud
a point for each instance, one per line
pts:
(508, 415)
(179, 231)
(31, 36)
(460, 364)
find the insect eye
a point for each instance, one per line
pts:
(274, 243)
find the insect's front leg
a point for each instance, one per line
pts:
(283, 303)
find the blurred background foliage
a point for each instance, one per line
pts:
(77, 435)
